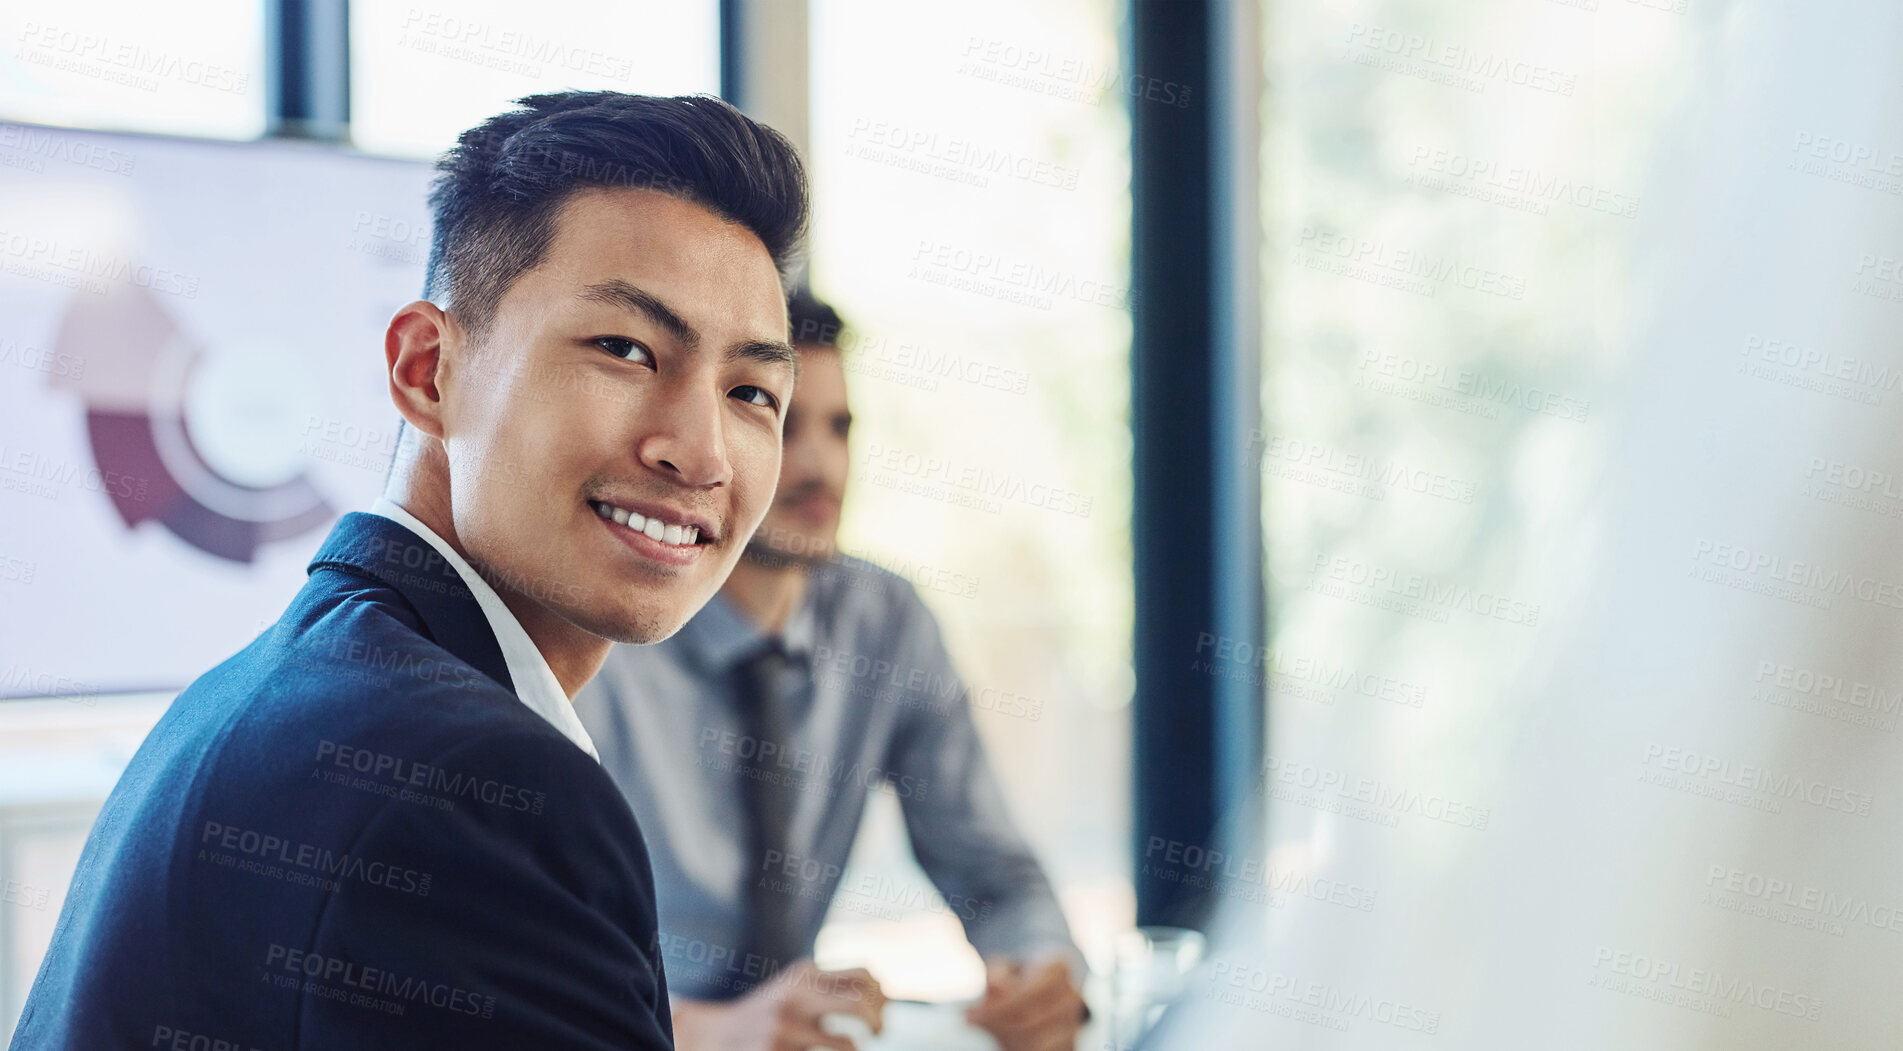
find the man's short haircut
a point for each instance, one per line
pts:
(497, 192)
(814, 321)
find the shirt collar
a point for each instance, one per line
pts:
(535, 683)
(720, 636)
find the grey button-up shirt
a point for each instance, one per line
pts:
(877, 701)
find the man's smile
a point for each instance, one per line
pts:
(662, 534)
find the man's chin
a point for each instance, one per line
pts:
(636, 627)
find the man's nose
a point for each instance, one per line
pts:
(686, 439)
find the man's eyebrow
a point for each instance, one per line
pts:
(767, 352)
(617, 292)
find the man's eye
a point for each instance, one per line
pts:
(755, 396)
(624, 348)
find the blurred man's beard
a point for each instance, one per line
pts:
(762, 554)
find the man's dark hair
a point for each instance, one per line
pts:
(497, 192)
(814, 321)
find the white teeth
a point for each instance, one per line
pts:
(653, 528)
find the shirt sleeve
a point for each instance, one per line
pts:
(956, 817)
(519, 915)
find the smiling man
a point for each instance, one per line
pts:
(381, 824)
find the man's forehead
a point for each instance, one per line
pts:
(658, 233)
(708, 275)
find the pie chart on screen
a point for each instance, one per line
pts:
(204, 441)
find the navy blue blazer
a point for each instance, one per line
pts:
(353, 835)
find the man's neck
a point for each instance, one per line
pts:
(766, 594)
(572, 654)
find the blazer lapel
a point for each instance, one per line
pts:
(452, 618)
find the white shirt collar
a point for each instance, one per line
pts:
(535, 683)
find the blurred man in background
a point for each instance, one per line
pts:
(808, 680)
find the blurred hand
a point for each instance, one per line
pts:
(1030, 1006)
(782, 1015)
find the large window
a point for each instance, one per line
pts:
(420, 73)
(134, 65)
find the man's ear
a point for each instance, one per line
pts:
(413, 350)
